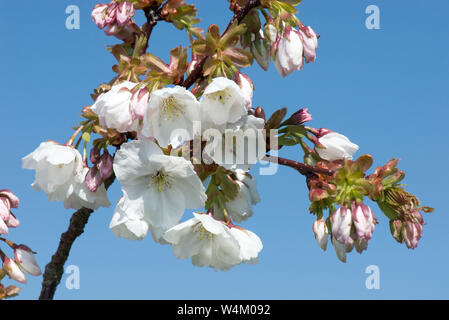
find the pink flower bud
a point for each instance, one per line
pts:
(13, 199)
(287, 52)
(98, 15)
(13, 270)
(105, 165)
(93, 179)
(139, 103)
(310, 43)
(94, 155)
(26, 260)
(321, 233)
(299, 117)
(125, 11)
(3, 227)
(364, 221)
(111, 13)
(341, 225)
(412, 230)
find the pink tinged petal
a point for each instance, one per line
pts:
(139, 103)
(93, 179)
(13, 222)
(26, 260)
(4, 209)
(289, 53)
(13, 199)
(341, 225)
(3, 227)
(364, 221)
(310, 42)
(125, 11)
(111, 12)
(98, 15)
(13, 270)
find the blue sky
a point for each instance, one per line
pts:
(386, 89)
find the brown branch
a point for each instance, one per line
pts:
(302, 168)
(238, 16)
(153, 15)
(55, 268)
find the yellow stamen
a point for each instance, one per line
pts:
(171, 108)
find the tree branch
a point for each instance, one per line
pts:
(238, 16)
(302, 168)
(153, 16)
(55, 268)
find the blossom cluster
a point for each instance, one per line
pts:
(179, 149)
(159, 184)
(23, 260)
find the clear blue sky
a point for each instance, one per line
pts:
(386, 89)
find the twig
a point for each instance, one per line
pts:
(238, 16)
(302, 168)
(153, 16)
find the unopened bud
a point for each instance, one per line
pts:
(260, 113)
(93, 179)
(299, 117)
(94, 155)
(105, 165)
(125, 11)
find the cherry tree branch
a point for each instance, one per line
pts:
(239, 15)
(55, 268)
(153, 15)
(302, 168)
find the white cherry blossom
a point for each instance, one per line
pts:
(128, 221)
(58, 169)
(240, 208)
(222, 102)
(114, 108)
(242, 145)
(206, 240)
(170, 109)
(159, 185)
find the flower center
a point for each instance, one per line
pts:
(221, 96)
(203, 233)
(160, 181)
(171, 108)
